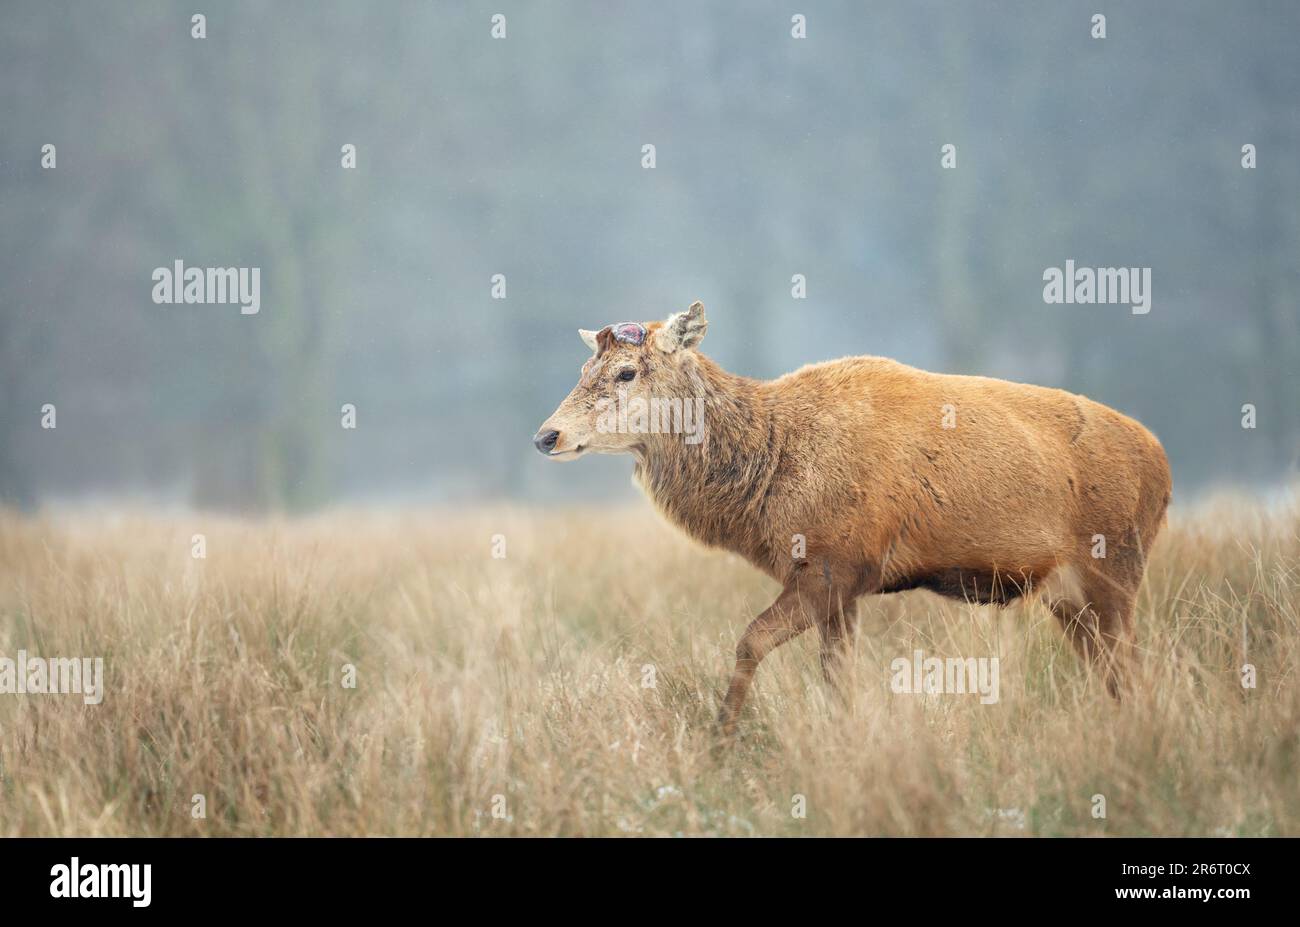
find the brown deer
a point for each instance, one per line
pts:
(864, 475)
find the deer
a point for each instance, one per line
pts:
(865, 476)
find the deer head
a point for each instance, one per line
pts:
(636, 370)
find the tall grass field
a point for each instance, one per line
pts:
(532, 672)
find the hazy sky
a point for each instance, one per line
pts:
(524, 156)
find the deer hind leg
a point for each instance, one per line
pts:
(794, 611)
(1096, 613)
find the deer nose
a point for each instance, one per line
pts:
(544, 441)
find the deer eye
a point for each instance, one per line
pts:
(626, 374)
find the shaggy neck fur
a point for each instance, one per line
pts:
(717, 490)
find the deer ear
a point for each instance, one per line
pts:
(589, 339)
(683, 329)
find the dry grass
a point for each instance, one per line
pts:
(522, 677)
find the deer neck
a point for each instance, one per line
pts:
(715, 489)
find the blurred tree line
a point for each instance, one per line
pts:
(522, 156)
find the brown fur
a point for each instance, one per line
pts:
(852, 455)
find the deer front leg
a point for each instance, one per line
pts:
(785, 619)
(837, 619)
(837, 632)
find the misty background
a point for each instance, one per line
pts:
(523, 157)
